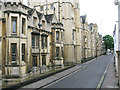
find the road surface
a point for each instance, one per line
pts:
(88, 77)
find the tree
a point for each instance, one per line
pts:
(109, 42)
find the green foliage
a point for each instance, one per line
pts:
(109, 42)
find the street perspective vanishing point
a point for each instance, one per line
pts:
(47, 44)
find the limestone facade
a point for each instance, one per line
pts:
(45, 34)
(68, 13)
(27, 40)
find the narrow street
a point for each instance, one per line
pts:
(88, 77)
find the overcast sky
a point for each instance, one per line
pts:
(102, 12)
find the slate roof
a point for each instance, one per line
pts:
(49, 17)
(90, 27)
(83, 18)
(39, 15)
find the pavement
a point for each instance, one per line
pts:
(81, 76)
(51, 79)
(110, 81)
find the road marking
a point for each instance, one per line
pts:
(103, 76)
(61, 78)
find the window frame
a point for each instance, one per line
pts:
(23, 25)
(46, 40)
(37, 41)
(42, 42)
(14, 19)
(57, 38)
(42, 8)
(14, 52)
(23, 52)
(52, 7)
(57, 51)
(73, 38)
(34, 59)
(33, 40)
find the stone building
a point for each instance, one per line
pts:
(67, 12)
(43, 34)
(84, 36)
(91, 40)
(95, 40)
(29, 39)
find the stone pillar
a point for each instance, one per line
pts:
(54, 41)
(60, 55)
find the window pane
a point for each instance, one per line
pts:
(46, 42)
(14, 25)
(37, 41)
(57, 36)
(52, 6)
(13, 51)
(43, 60)
(57, 51)
(35, 61)
(73, 35)
(33, 41)
(42, 42)
(42, 8)
(23, 26)
(23, 52)
(62, 51)
(0, 39)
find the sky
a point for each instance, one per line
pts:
(102, 12)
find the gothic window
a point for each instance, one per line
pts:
(23, 26)
(57, 36)
(37, 41)
(0, 39)
(14, 25)
(62, 51)
(46, 42)
(43, 60)
(61, 36)
(73, 35)
(34, 61)
(23, 52)
(52, 7)
(14, 51)
(57, 51)
(42, 8)
(33, 41)
(42, 42)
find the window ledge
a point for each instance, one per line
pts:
(14, 34)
